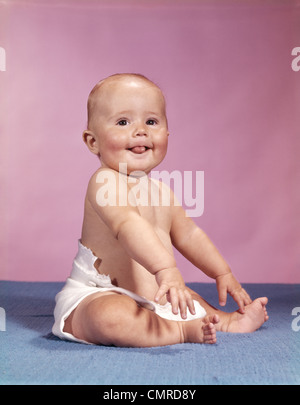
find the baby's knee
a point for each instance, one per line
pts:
(107, 308)
(108, 317)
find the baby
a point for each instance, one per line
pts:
(125, 288)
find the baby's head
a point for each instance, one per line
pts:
(127, 122)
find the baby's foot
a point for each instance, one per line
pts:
(255, 315)
(200, 330)
(209, 330)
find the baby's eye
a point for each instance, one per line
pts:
(151, 122)
(122, 122)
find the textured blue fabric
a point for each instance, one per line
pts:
(30, 354)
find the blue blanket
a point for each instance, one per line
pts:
(30, 354)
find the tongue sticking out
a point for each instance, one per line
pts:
(138, 149)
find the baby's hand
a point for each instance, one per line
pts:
(171, 283)
(227, 283)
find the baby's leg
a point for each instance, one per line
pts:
(253, 318)
(114, 319)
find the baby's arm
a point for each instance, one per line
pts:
(142, 244)
(195, 245)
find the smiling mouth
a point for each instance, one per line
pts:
(139, 149)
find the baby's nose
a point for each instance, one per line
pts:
(141, 130)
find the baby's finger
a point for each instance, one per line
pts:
(247, 298)
(174, 300)
(222, 296)
(163, 289)
(240, 303)
(182, 304)
(190, 303)
(242, 298)
(239, 300)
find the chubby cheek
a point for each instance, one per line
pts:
(111, 152)
(112, 147)
(114, 143)
(161, 146)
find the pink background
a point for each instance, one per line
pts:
(233, 107)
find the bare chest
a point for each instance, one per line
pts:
(152, 202)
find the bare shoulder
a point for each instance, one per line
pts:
(108, 191)
(103, 175)
(105, 181)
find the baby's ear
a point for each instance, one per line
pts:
(90, 141)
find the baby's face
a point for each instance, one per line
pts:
(130, 125)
